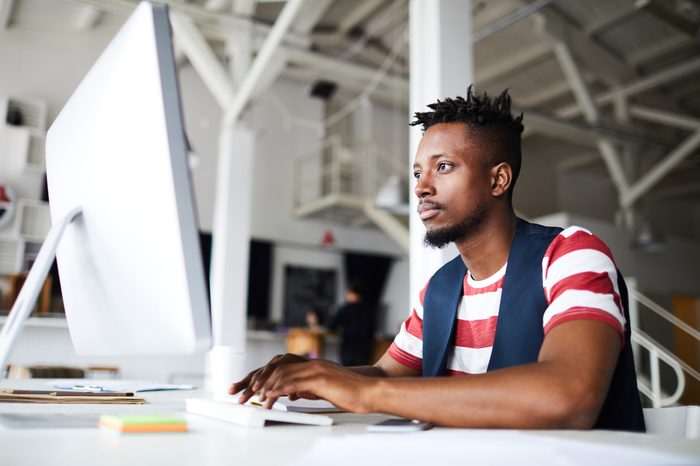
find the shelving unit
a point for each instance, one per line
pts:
(23, 139)
(36, 153)
(11, 255)
(33, 220)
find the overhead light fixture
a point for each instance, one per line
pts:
(647, 239)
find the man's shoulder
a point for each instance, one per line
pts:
(577, 239)
(536, 230)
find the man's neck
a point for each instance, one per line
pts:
(486, 252)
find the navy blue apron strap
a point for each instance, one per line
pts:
(440, 302)
(518, 335)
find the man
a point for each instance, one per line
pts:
(355, 319)
(526, 328)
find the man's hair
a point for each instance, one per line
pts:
(356, 286)
(488, 119)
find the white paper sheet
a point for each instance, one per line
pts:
(482, 447)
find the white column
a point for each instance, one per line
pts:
(441, 66)
(230, 251)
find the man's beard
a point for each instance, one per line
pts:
(468, 226)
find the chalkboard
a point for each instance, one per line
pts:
(307, 288)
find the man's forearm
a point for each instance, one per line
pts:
(369, 371)
(531, 396)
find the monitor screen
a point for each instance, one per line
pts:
(130, 266)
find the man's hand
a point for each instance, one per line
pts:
(254, 381)
(343, 387)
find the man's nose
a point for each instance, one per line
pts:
(424, 186)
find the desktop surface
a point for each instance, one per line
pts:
(213, 442)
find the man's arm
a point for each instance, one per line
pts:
(385, 367)
(565, 388)
(255, 380)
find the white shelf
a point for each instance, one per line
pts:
(42, 322)
(34, 220)
(36, 153)
(11, 255)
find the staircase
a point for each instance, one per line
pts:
(650, 385)
(340, 183)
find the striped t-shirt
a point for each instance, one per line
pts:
(580, 282)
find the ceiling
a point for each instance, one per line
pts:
(610, 88)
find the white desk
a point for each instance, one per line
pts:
(212, 442)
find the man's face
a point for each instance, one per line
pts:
(452, 184)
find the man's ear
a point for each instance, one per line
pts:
(501, 179)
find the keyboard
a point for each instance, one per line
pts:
(248, 415)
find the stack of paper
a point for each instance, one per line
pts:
(144, 423)
(69, 397)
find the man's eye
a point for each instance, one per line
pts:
(416, 175)
(442, 166)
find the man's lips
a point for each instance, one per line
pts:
(428, 210)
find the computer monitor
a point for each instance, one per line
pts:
(119, 186)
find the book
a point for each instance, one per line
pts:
(142, 423)
(68, 397)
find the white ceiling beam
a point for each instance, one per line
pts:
(667, 14)
(344, 72)
(611, 18)
(191, 41)
(512, 63)
(658, 49)
(88, 18)
(217, 5)
(665, 118)
(357, 14)
(592, 115)
(639, 86)
(508, 20)
(661, 169)
(6, 7)
(341, 46)
(386, 19)
(549, 125)
(311, 13)
(263, 58)
(276, 67)
(538, 98)
(591, 54)
(212, 24)
(387, 96)
(245, 8)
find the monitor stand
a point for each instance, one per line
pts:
(29, 293)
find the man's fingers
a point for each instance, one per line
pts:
(291, 379)
(241, 384)
(246, 395)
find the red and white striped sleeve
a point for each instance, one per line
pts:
(407, 348)
(580, 281)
